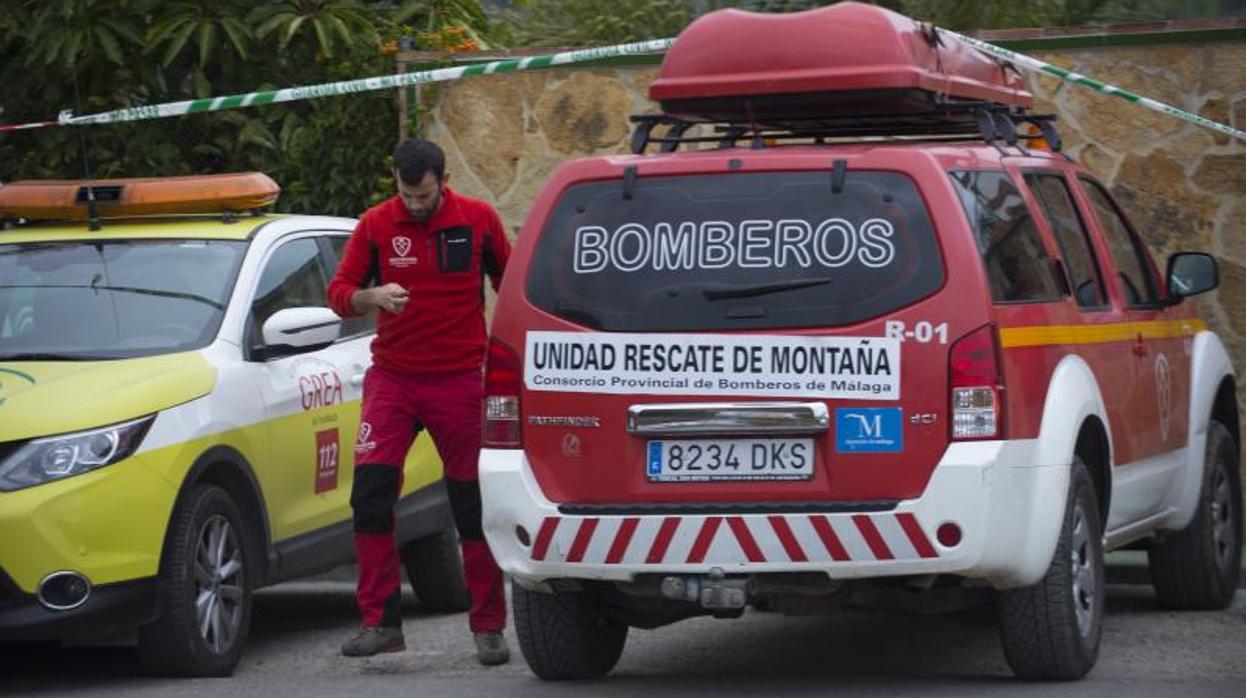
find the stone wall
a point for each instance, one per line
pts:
(1183, 185)
(505, 134)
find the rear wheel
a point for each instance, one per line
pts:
(204, 596)
(1051, 630)
(435, 570)
(566, 636)
(1197, 568)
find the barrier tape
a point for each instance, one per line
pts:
(23, 127)
(1038, 66)
(345, 87)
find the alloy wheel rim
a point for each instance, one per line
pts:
(218, 584)
(1085, 580)
(1222, 517)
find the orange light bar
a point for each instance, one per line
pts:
(47, 199)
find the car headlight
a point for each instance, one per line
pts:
(57, 457)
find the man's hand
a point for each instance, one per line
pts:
(391, 298)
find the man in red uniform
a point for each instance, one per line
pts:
(427, 250)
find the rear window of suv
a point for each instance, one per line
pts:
(735, 251)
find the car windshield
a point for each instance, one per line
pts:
(112, 299)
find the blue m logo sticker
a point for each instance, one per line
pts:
(868, 426)
(869, 429)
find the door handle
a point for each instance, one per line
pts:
(1139, 346)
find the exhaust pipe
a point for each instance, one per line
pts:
(64, 590)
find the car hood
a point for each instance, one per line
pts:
(40, 398)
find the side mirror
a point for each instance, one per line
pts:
(1191, 273)
(300, 329)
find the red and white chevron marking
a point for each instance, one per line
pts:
(726, 540)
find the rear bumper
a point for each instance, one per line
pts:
(1008, 511)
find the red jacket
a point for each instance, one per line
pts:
(442, 263)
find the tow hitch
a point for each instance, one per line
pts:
(711, 591)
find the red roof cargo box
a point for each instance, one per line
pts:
(846, 60)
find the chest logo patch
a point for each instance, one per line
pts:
(402, 245)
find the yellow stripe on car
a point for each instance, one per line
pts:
(1047, 335)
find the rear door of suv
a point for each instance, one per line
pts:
(1157, 337)
(752, 337)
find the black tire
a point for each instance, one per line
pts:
(435, 570)
(208, 550)
(565, 636)
(1197, 567)
(1051, 630)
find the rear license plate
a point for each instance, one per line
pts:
(705, 460)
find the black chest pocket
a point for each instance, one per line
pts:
(454, 249)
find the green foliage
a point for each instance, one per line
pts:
(76, 29)
(329, 20)
(332, 152)
(593, 22)
(200, 24)
(427, 16)
(91, 56)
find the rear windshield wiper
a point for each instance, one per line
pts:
(716, 294)
(52, 356)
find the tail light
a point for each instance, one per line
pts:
(977, 386)
(502, 384)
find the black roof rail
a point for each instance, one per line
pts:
(992, 123)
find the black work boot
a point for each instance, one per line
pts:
(374, 640)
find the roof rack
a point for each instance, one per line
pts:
(995, 124)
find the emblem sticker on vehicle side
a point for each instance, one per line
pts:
(1163, 388)
(869, 430)
(326, 460)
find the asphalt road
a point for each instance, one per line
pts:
(298, 626)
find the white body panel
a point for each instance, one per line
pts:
(971, 488)
(1209, 366)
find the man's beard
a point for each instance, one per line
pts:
(426, 213)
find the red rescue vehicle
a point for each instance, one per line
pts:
(857, 325)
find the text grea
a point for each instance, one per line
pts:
(833, 243)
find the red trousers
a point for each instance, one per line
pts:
(395, 407)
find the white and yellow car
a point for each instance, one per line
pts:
(177, 412)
